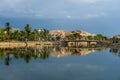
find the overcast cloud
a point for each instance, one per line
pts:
(82, 9)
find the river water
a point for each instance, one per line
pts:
(59, 63)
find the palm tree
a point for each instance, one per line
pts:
(35, 35)
(22, 35)
(44, 34)
(28, 31)
(8, 28)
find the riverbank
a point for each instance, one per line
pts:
(23, 44)
(34, 43)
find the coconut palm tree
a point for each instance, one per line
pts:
(7, 29)
(35, 35)
(27, 31)
(22, 35)
(44, 35)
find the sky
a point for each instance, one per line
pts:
(81, 9)
(89, 12)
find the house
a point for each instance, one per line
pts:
(83, 34)
(58, 34)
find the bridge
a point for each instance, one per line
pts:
(80, 43)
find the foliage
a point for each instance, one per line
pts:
(74, 36)
(12, 34)
(7, 29)
(44, 35)
(27, 31)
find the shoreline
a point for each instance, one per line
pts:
(47, 43)
(23, 44)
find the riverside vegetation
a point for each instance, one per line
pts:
(13, 34)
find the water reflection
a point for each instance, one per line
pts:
(42, 52)
(115, 51)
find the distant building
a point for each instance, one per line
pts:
(58, 34)
(83, 33)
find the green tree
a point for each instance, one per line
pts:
(15, 35)
(70, 37)
(73, 36)
(2, 34)
(35, 35)
(77, 36)
(22, 35)
(27, 31)
(100, 37)
(7, 29)
(90, 37)
(44, 35)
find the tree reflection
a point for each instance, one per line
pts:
(7, 60)
(115, 51)
(2, 54)
(42, 52)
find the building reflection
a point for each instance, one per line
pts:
(65, 51)
(42, 52)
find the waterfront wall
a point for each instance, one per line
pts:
(23, 44)
(16, 44)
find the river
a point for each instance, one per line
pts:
(59, 63)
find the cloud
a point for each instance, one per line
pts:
(83, 1)
(11, 3)
(88, 1)
(57, 9)
(89, 16)
(69, 16)
(86, 15)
